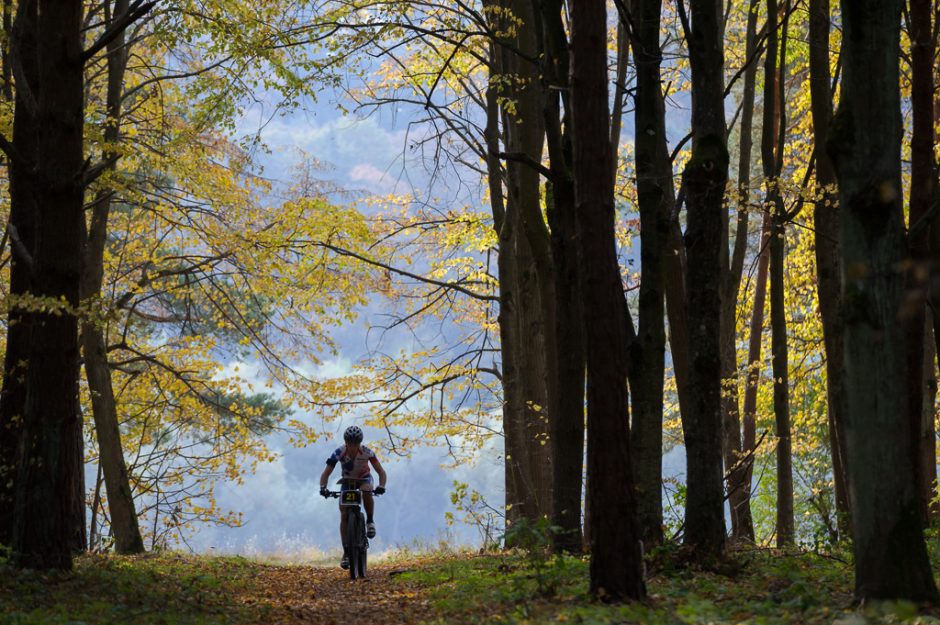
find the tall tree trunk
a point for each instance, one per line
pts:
(734, 450)
(521, 322)
(525, 134)
(567, 433)
(865, 144)
(127, 538)
(616, 558)
(772, 157)
(656, 196)
(933, 290)
(677, 312)
(44, 531)
(755, 339)
(780, 360)
(704, 178)
(923, 190)
(513, 402)
(22, 229)
(928, 429)
(828, 251)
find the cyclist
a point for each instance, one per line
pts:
(355, 460)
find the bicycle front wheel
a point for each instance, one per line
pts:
(353, 544)
(363, 548)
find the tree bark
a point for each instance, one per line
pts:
(928, 429)
(22, 228)
(44, 531)
(704, 178)
(828, 262)
(616, 558)
(522, 327)
(656, 196)
(677, 312)
(755, 330)
(525, 134)
(127, 538)
(865, 143)
(778, 322)
(922, 192)
(772, 138)
(567, 434)
(734, 449)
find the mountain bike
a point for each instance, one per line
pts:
(355, 542)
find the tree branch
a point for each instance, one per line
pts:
(134, 12)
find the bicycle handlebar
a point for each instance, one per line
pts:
(336, 493)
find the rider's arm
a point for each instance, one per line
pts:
(378, 469)
(325, 476)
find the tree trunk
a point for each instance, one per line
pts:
(865, 144)
(828, 246)
(97, 370)
(778, 323)
(739, 492)
(616, 558)
(928, 429)
(22, 229)
(568, 420)
(44, 531)
(923, 181)
(513, 404)
(525, 134)
(656, 196)
(676, 311)
(755, 340)
(772, 157)
(704, 178)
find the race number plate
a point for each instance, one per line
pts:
(351, 496)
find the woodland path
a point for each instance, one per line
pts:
(326, 596)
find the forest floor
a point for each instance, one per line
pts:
(766, 586)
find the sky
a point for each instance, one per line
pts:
(283, 514)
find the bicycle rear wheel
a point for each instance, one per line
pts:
(353, 545)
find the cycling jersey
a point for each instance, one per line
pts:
(354, 467)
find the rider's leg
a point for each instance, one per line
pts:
(369, 503)
(342, 529)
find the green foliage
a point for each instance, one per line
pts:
(772, 587)
(534, 539)
(477, 512)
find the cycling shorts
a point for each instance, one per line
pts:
(365, 485)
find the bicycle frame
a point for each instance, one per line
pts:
(355, 542)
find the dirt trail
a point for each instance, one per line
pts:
(326, 596)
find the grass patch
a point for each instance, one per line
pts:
(769, 587)
(145, 589)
